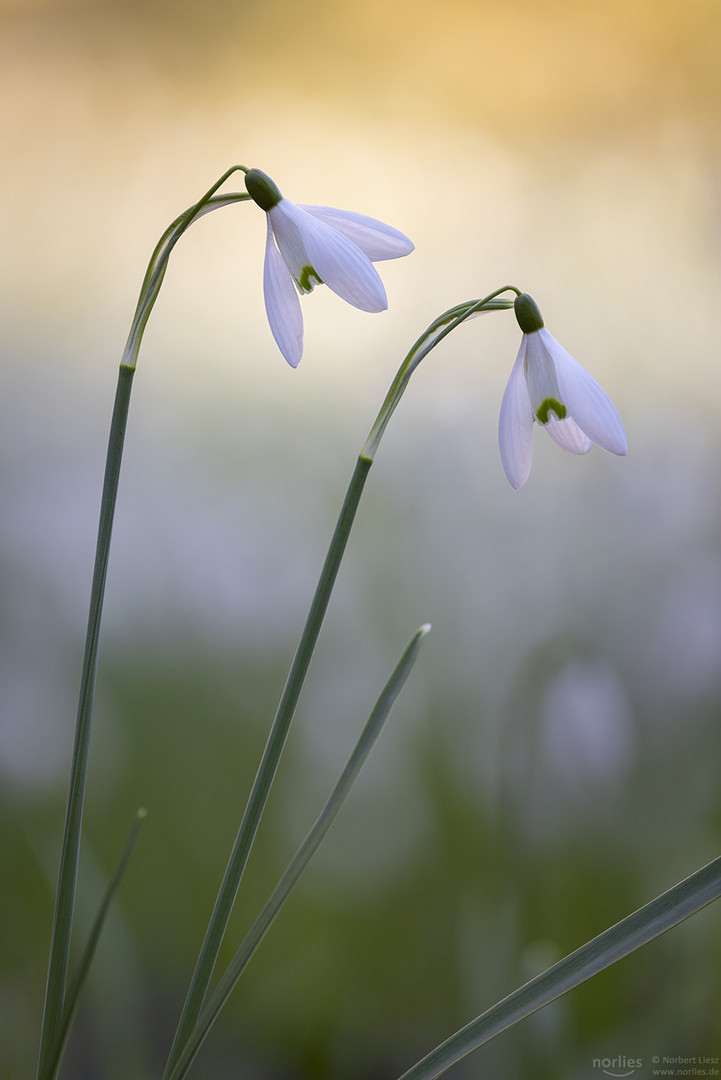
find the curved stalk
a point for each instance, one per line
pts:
(268, 766)
(67, 876)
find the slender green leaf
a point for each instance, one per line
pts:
(71, 1001)
(681, 901)
(370, 733)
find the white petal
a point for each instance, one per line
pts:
(568, 434)
(289, 237)
(587, 403)
(281, 303)
(515, 424)
(336, 259)
(540, 372)
(375, 239)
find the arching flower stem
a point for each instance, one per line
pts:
(439, 329)
(200, 982)
(58, 963)
(159, 259)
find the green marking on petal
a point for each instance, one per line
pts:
(550, 404)
(306, 282)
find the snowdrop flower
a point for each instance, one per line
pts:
(548, 386)
(314, 245)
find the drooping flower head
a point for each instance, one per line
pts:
(548, 387)
(315, 245)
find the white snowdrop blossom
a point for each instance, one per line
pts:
(549, 387)
(315, 245)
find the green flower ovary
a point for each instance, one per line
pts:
(262, 189)
(306, 282)
(550, 404)
(528, 315)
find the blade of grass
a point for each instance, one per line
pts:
(370, 733)
(71, 1001)
(650, 921)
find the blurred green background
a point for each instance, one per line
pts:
(554, 760)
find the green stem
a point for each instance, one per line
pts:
(439, 329)
(268, 766)
(65, 900)
(159, 260)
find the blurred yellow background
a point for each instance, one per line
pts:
(553, 762)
